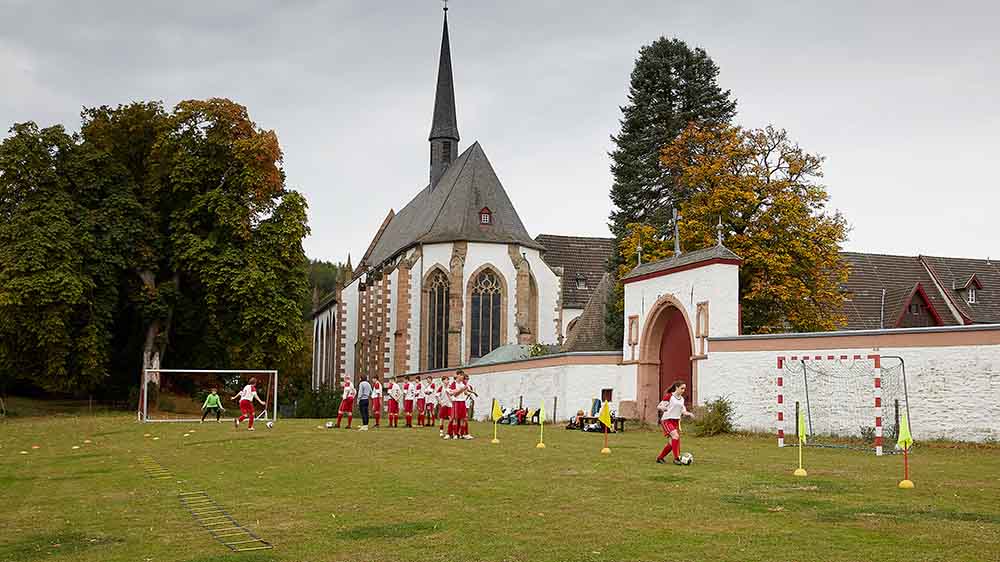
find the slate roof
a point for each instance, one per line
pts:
(444, 123)
(898, 275)
(687, 258)
(577, 255)
(954, 275)
(588, 333)
(450, 211)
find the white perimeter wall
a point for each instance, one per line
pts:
(350, 297)
(954, 392)
(575, 386)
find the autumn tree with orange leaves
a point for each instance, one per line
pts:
(766, 190)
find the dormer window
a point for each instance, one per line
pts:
(581, 281)
(971, 297)
(970, 289)
(485, 216)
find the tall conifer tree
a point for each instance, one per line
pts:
(672, 85)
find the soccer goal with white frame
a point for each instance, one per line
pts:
(177, 395)
(847, 400)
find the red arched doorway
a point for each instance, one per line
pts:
(666, 346)
(675, 353)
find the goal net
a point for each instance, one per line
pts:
(177, 395)
(847, 401)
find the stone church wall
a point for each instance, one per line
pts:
(349, 295)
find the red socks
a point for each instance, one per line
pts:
(349, 418)
(666, 450)
(339, 417)
(675, 444)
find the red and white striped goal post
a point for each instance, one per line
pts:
(877, 407)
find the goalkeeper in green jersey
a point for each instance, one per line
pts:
(213, 403)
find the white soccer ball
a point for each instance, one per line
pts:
(687, 458)
(270, 424)
(329, 425)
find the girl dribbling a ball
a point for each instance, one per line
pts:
(672, 408)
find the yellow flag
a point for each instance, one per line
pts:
(905, 441)
(541, 414)
(802, 428)
(497, 412)
(605, 415)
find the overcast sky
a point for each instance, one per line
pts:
(900, 97)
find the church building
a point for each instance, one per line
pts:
(454, 274)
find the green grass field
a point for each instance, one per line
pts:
(399, 495)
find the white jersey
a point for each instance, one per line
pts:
(468, 393)
(444, 399)
(349, 391)
(672, 408)
(376, 390)
(249, 392)
(431, 393)
(460, 392)
(409, 391)
(394, 391)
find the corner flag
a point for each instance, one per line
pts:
(905, 441)
(605, 415)
(497, 412)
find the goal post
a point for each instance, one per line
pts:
(846, 400)
(176, 395)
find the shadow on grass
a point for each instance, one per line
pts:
(39, 547)
(393, 531)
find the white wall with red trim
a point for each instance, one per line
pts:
(572, 387)
(954, 391)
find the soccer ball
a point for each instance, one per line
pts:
(329, 425)
(687, 458)
(270, 424)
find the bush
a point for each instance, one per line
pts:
(322, 403)
(715, 418)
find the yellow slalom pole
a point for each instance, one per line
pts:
(495, 440)
(800, 471)
(541, 435)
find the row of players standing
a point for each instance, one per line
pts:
(444, 401)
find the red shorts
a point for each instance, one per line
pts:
(670, 425)
(376, 405)
(347, 406)
(246, 408)
(460, 411)
(444, 412)
(429, 407)
(408, 406)
(392, 407)
(421, 405)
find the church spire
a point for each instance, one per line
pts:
(444, 127)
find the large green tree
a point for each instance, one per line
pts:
(152, 237)
(671, 86)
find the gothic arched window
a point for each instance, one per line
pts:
(487, 292)
(437, 320)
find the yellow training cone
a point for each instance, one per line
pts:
(906, 484)
(605, 451)
(494, 441)
(800, 472)
(540, 445)
(87, 441)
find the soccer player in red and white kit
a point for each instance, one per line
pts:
(459, 426)
(673, 408)
(246, 398)
(394, 395)
(430, 400)
(444, 406)
(347, 403)
(377, 400)
(420, 399)
(409, 393)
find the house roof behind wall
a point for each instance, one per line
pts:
(588, 333)
(717, 252)
(582, 256)
(955, 275)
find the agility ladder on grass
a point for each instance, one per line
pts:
(209, 514)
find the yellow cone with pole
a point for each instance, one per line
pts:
(801, 422)
(605, 418)
(905, 441)
(496, 415)
(541, 427)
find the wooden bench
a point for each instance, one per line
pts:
(617, 423)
